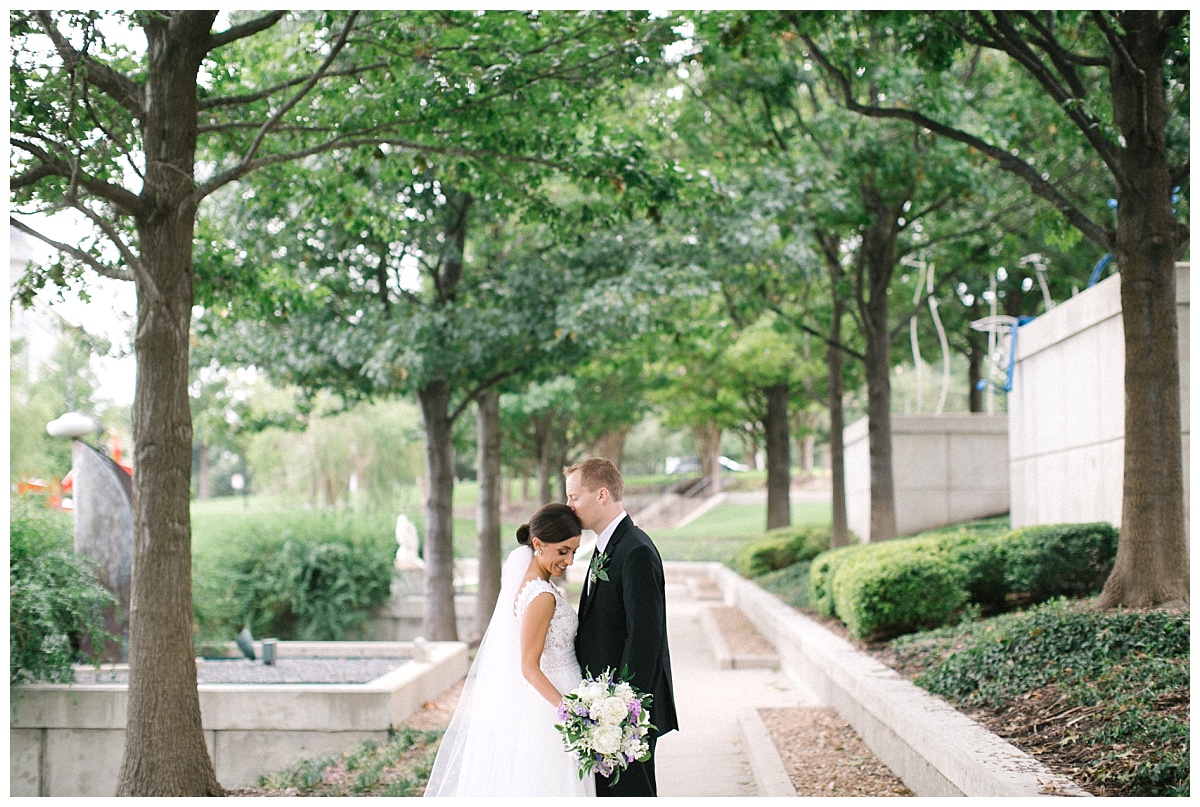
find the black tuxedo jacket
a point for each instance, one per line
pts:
(623, 622)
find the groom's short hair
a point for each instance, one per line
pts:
(596, 473)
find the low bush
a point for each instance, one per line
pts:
(1122, 677)
(54, 597)
(313, 576)
(781, 548)
(821, 574)
(885, 589)
(1060, 560)
(901, 586)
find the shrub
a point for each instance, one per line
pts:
(899, 586)
(1068, 560)
(821, 573)
(307, 577)
(781, 548)
(54, 597)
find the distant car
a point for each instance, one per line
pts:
(691, 465)
(731, 465)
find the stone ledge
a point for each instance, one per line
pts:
(725, 658)
(769, 772)
(933, 748)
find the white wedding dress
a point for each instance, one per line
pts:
(502, 740)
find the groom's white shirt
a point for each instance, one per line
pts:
(602, 539)
(606, 533)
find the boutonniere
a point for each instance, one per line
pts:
(596, 571)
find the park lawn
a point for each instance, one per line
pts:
(715, 536)
(720, 533)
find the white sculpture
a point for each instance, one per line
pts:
(408, 552)
(73, 425)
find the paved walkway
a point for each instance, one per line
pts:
(708, 756)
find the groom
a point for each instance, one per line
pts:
(622, 612)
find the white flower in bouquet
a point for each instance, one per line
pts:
(611, 711)
(624, 691)
(607, 739)
(591, 692)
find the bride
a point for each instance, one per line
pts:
(502, 740)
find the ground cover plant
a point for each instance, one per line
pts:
(1104, 695)
(399, 767)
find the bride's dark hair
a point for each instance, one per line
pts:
(553, 523)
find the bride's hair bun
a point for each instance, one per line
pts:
(552, 523)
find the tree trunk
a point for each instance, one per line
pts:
(440, 621)
(708, 446)
(752, 458)
(203, 482)
(976, 352)
(879, 256)
(1151, 567)
(488, 520)
(779, 460)
(808, 453)
(612, 445)
(544, 443)
(165, 753)
(839, 531)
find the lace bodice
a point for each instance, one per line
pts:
(558, 656)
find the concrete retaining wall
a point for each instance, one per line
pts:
(1066, 410)
(401, 618)
(935, 749)
(947, 469)
(67, 740)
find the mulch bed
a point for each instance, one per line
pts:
(824, 756)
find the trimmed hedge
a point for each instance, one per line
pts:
(1067, 560)
(938, 578)
(901, 586)
(781, 548)
(821, 574)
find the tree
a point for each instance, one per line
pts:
(1118, 81)
(863, 198)
(112, 132)
(770, 367)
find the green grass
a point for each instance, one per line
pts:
(715, 536)
(721, 532)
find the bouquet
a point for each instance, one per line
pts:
(604, 722)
